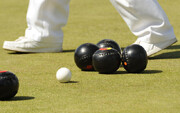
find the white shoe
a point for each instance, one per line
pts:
(23, 44)
(154, 48)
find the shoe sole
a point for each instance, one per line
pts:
(36, 51)
(33, 50)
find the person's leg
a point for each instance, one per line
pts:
(45, 19)
(147, 20)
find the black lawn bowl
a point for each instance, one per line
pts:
(106, 60)
(9, 85)
(134, 58)
(105, 43)
(83, 56)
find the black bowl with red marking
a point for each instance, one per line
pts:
(134, 58)
(105, 43)
(83, 56)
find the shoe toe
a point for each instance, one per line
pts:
(154, 48)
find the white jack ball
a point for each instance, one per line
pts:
(63, 75)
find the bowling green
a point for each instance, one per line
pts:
(156, 90)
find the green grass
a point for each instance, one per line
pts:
(157, 90)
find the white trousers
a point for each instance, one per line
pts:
(45, 19)
(146, 19)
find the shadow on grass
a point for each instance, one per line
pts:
(169, 55)
(20, 53)
(71, 82)
(144, 72)
(121, 72)
(68, 51)
(151, 72)
(21, 98)
(174, 47)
